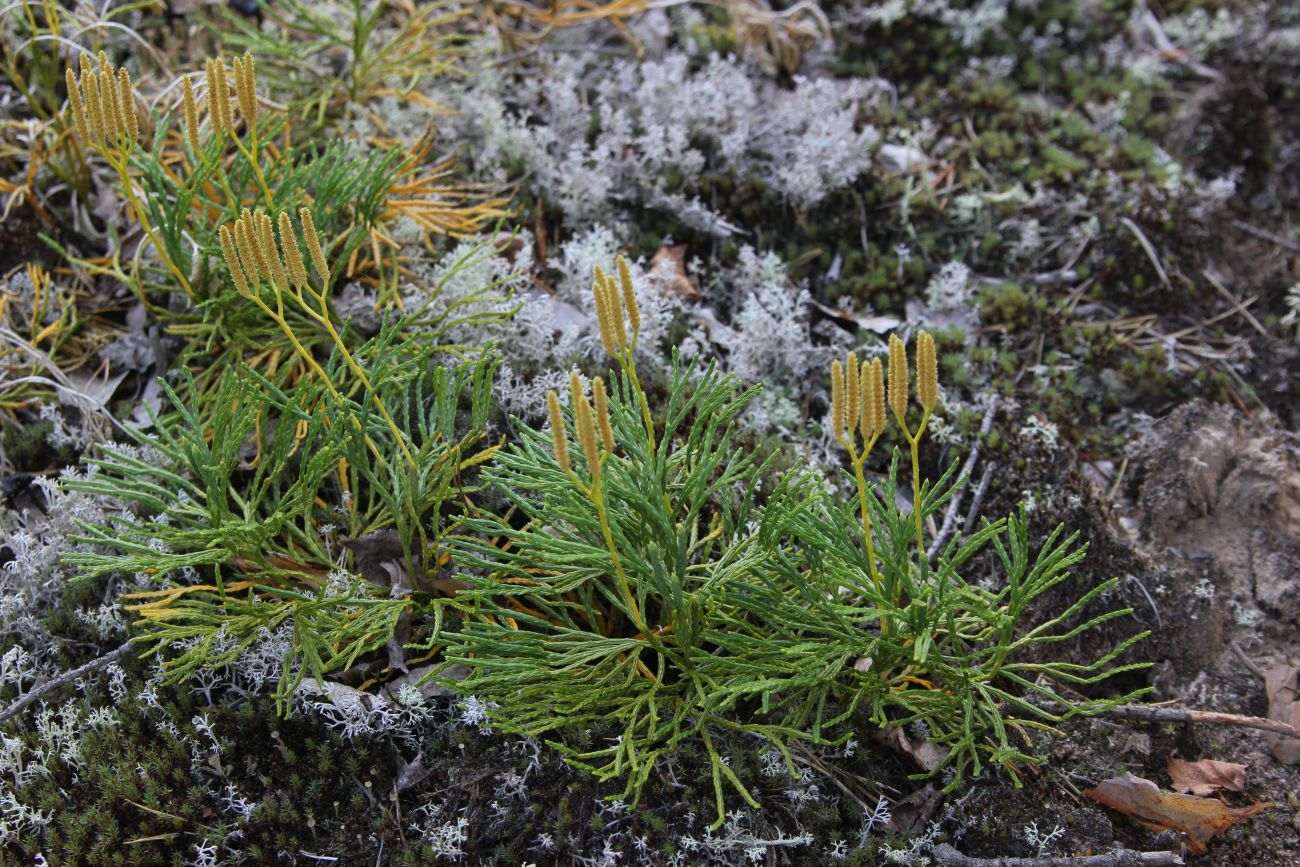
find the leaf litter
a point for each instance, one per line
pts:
(1197, 819)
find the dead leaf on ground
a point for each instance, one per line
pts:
(413, 773)
(1206, 777)
(373, 551)
(929, 756)
(847, 316)
(1280, 682)
(912, 814)
(89, 391)
(669, 264)
(1198, 818)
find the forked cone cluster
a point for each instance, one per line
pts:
(249, 246)
(857, 400)
(927, 376)
(220, 118)
(588, 422)
(859, 396)
(102, 101)
(610, 302)
(103, 104)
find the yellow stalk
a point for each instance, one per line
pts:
(852, 395)
(232, 261)
(126, 105)
(872, 383)
(246, 92)
(898, 380)
(77, 106)
(90, 89)
(927, 373)
(602, 313)
(313, 246)
(266, 243)
(837, 400)
(615, 307)
(586, 427)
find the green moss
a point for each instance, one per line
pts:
(1005, 304)
(27, 449)
(139, 797)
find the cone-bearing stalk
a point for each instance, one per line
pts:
(190, 108)
(102, 104)
(249, 248)
(611, 300)
(927, 389)
(858, 400)
(602, 413)
(587, 422)
(851, 403)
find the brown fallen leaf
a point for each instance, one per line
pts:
(1280, 682)
(1198, 818)
(912, 814)
(1206, 777)
(412, 774)
(669, 264)
(929, 756)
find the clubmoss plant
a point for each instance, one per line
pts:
(856, 615)
(296, 435)
(233, 152)
(596, 598)
(655, 587)
(242, 521)
(858, 402)
(254, 261)
(385, 50)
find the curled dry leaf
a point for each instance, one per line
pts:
(373, 551)
(912, 814)
(1207, 777)
(929, 756)
(1198, 819)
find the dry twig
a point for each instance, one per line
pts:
(978, 500)
(1182, 715)
(1267, 236)
(67, 677)
(950, 857)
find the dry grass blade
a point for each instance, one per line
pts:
(1148, 249)
(440, 206)
(521, 23)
